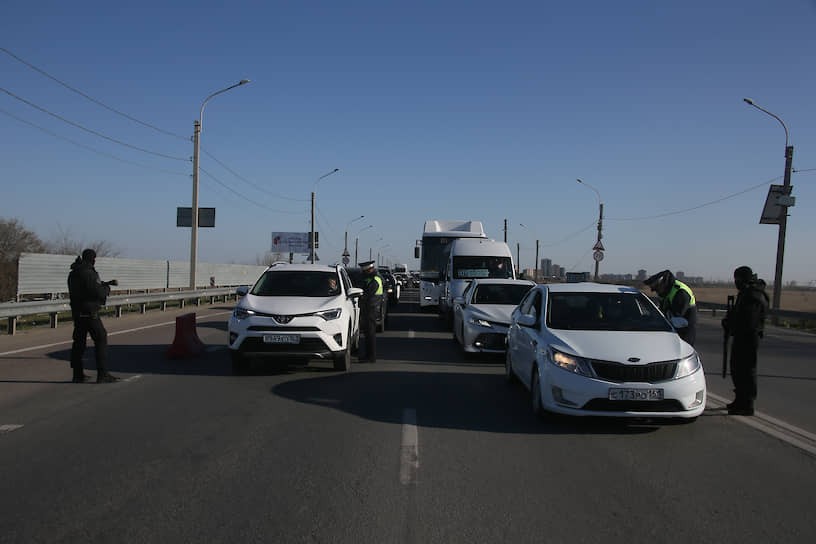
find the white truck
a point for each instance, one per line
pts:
(469, 259)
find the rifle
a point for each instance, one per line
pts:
(726, 334)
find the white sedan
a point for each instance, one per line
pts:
(482, 314)
(602, 350)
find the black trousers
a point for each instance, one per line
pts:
(369, 330)
(84, 325)
(744, 368)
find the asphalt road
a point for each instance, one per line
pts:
(424, 446)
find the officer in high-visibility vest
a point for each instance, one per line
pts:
(371, 306)
(676, 300)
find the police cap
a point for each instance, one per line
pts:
(366, 266)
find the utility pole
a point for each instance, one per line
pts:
(536, 263)
(505, 231)
(518, 257)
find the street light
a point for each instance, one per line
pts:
(783, 212)
(385, 246)
(194, 209)
(370, 249)
(314, 188)
(599, 249)
(535, 274)
(357, 241)
(345, 245)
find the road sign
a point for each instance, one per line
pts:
(290, 242)
(598, 247)
(598, 255)
(346, 260)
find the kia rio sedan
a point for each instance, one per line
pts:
(297, 311)
(602, 350)
(482, 314)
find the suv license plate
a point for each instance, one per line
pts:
(635, 394)
(281, 339)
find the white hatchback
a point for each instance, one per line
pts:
(297, 311)
(602, 350)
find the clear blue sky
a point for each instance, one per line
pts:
(431, 110)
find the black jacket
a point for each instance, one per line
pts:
(87, 291)
(747, 318)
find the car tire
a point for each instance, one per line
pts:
(355, 346)
(509, 376)
(240, 363)
(342, 360)
(535, 395)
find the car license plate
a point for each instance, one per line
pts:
(635, 394)
(281, 339)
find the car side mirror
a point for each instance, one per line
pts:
(526, 320)
(679, 322)
(416, 253)
(242, 291)
(355, 292)
(459, 300)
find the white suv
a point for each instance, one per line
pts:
(297, 310)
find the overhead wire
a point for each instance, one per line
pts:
(253, 184)
(97, 102)
(211, 176)
(114, 140)
(89, 148)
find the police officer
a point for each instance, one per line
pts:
(371, 306)
(676, 300)
(88, 294)
(745, 322)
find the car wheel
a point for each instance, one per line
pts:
(240, 364)
(355, 347)
(535, 394)
(509, 375)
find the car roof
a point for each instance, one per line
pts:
(502, 281)
(302, 267)
(588, 287)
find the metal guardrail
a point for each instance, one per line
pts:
(14, 310)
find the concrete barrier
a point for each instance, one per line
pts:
(186, 344)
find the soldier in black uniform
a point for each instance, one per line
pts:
(370, 305)
(746, 322)
(88, 294)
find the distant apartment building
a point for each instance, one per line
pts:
(546, 268)
(641, 275)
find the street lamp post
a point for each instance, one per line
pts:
(598, 255)
(314, 188)
(357, 241)
(345, 245)
(194, 209)
(535, 274)
(783, 212)
(371, 249)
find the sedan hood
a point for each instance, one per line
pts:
(621, 346)
(289, 305)
(499, 313)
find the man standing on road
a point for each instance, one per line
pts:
(371, 306)
(745, 322)
(88, 294)
(676, 300)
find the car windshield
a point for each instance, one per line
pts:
(499, 293)
(300, 283)
(604, 312)
(469, 267)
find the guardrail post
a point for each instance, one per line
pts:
(142, 307)
(118, 311)
(212, 300)
(163, 305)
(197, 301)
(181, 303)
(54, 320)
(12, 324)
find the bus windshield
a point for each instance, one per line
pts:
(433, 256)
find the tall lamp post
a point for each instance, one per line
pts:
(345, 245)
(382, 247)
(357, 241)
(314, 188)
(598, 247)
(783, 205)
(535, 274)
(371, 249)
(194, 209)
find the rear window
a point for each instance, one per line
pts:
(290, 283)
(500, 294)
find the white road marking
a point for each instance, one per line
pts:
(409, 458)
(44, 346)
(411, 333)
(8, 428)
(132, 378)
(786, 432)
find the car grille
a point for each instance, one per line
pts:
(307, 345)
(651, 373)
(281, 329)
(490, 340)
(606, 405)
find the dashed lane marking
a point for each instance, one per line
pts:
(782, 430)
(44, 346)
(409, 457)
(8, 428)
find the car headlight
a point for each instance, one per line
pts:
(328, 315)
(241, 313)
(687, 366)
(570, 363)
(480, 322)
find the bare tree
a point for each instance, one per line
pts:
(65, 243)
(14, 239)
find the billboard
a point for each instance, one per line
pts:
(291, 242)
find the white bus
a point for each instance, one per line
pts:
(436, 236)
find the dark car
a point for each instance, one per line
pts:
(356, 277)
(391, 286)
